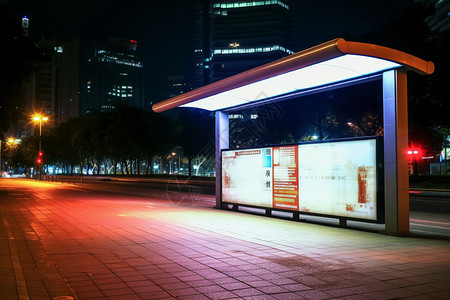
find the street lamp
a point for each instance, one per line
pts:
(40, 119)
(11, 144)
(1, 174)
(179, 161)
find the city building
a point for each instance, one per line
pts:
(177, 85)
(56, 83)
(232, 36)
(25, 26)
(247, 34)
(200, 37)
(440, 20)
(53, 88)
(113, 75)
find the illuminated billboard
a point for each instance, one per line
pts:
(328, 178)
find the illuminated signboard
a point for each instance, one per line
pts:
(332, 178)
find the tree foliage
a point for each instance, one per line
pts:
(126, 136)
(197, 135)
(428, 103)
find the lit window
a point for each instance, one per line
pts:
(249, 4)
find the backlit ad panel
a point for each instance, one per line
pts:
(338, 178)
(327, 178)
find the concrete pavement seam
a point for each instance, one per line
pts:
(21, 283)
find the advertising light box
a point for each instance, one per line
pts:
(329, 178)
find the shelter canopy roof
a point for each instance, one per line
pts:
(331, 62)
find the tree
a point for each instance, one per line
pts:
(197, 134)
(25, 153)
(126, 135)
(427, 95)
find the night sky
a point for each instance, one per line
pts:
(164, 27)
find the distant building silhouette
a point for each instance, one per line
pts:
(235, 36)
(25, 26)
(53, 88)
(177, 85)
(113, 75)
(440, 20)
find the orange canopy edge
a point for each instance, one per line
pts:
(308, 57)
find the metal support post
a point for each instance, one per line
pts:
(396, 181)
(222, 142)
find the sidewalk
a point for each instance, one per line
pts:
(64, 241)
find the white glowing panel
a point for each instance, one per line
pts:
(260, 90)
(334, 70)
(246, 177)
(339, 179)
(215, 102)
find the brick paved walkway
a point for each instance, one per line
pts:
(60, 241)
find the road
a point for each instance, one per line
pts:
(430, 212)
(429, 208)
(106, 240)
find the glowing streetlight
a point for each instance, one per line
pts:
(179, 161)
(40, 119)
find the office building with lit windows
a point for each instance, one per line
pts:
(113, 76)
(247, 34)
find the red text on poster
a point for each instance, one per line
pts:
(285, 177)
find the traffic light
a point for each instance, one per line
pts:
(411, 152)
(40, 158)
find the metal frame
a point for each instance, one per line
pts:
(395, 122)
(395, 112)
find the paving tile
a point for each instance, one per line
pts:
(193, 297)
(296, 287)
(210, 289)
(125, 297)
(222, 295)
(314, 295)
(117, 292)
(286, 296)
(273, 289)
(89, 295)
(258, 283)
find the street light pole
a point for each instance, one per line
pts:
(40, 119)
(1, 174)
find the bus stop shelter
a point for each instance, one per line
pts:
(320, 68)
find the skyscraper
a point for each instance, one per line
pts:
(200, 37)
(25, 26)
(246, 34)
(440, 20)
(113, 76)
(53, 90)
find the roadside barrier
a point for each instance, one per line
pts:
(64, 179)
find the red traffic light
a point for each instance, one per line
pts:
(41, 153)
(39, 161)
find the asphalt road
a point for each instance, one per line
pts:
(110, 240)
(429, 209)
